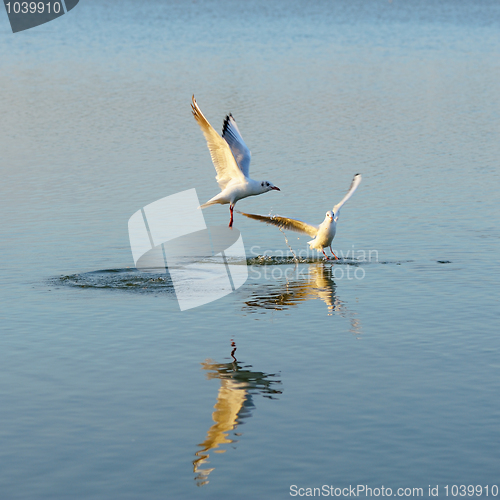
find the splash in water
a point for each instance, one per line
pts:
(295, 259)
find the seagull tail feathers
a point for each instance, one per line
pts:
(213, 201)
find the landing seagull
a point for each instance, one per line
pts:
(231, 159)
(322, 234)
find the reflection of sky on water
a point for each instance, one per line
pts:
(234, 403)
(96, 124)
(292, 286)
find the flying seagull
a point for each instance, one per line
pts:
(322, 234)
(231, 159)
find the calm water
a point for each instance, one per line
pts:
(375, 371)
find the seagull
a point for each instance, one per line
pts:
(231, 159)
(322, 234)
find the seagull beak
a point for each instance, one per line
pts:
(276, 188)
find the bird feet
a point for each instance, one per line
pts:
(326, 256)
(336, 258)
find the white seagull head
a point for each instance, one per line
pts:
(268, 186)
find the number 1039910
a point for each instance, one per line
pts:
(33, 7)
(471, 490)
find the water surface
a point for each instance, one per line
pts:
(385, 377)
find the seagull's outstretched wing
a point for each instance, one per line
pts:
(285, 223)
(222, 158)
(354, 185)
(232, 135)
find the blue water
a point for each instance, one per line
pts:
(379, 369)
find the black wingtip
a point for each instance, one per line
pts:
(224, 125)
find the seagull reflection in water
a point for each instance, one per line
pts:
(305, 283)
(234, 403)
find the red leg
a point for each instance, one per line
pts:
(327, 258)
(231, 211)
(336, 258)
